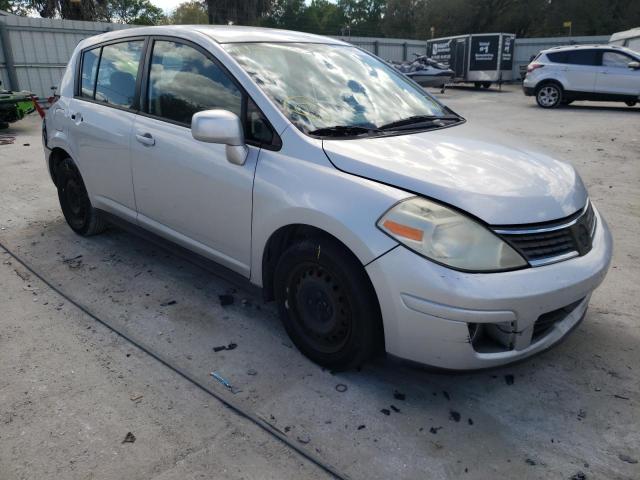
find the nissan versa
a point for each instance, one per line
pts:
(375, 216)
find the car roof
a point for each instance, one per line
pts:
(563, 48)
(227, 34)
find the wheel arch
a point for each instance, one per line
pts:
(55, 158)
(283, 238)
(547, 81)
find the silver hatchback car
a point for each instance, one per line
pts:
(376, 217)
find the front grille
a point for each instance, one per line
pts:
(551, 242)
(545, 322)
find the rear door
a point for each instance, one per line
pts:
(100, 121)
(615, 76)
(581, 70)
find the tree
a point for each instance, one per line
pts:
(189, 13)
(138, 12)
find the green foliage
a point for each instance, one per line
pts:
(390, 18)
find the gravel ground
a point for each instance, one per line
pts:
(67, 383)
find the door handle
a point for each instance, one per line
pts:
(146, 139)
(76, 117)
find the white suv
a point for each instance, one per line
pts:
(560, 75)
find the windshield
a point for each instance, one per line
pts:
(320, 86)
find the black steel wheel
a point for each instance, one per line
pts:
(327, 304)
(74, 201)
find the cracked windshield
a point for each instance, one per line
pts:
(320, 86)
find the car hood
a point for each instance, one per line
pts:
(485, 173)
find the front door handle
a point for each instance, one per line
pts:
(146, 139)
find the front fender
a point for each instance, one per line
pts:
(289, 190)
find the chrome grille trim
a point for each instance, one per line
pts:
(555, 241)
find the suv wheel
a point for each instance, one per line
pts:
(74, 201)
(631, 103)
(549, 95)
(327, 304)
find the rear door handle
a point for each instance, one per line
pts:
(146, 139)
(76, 117)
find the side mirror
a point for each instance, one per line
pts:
(221, 126)
(634, 65)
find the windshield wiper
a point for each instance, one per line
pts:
(416, 120)
(343, 131)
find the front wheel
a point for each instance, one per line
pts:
(74, 201)
(327, 304)
(549, 95)
(631, 103)
(486, 85)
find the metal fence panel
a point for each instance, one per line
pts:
(38, 50)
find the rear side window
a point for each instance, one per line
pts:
(583, 57)
(117, 72)
(90, 60)
(558, 57)
(183, 81)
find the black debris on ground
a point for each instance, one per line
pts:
(434, 430)
(627, 458)
(399, 396)
(453, 415)
(361, 427)
(621, 397)
(386, 411)
(226, 300)
(582, 414)
(579, 475)
(304, 439)
(341, 387)
(129, 438)
(470, 421)
(394, 408)
(168, 304)
(287, 429)
(446, 395)
(26, 144)
(252, 372)
(509, 379)
(531, 462)
(231, 346)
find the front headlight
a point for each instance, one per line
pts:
(448, 237)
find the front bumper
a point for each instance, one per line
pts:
(528, 91)
(427, 308)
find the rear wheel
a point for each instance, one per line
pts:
(327, 304)
(549, 95)
(74, 201)
(486, 85)
(477, 84)
(631, 103)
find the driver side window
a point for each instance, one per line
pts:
(183, 81)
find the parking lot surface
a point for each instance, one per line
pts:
(70, 390)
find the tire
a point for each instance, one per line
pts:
(477, 85)
(327, 304)
(631, 103)
(549, 95)
(74, 201)
(486, 85)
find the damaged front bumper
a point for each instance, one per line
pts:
(441, 317)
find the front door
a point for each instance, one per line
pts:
(616, 77)
(187, 190)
